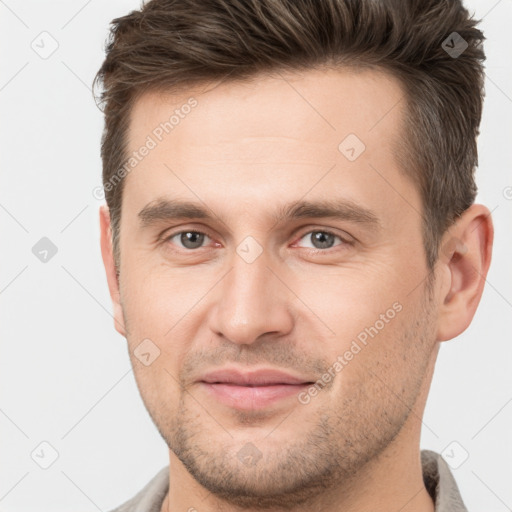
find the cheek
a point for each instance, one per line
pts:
(361, 317)
(158, 305)
(156, 298)
(351, 299)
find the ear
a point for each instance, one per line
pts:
(107, 254)
(464, 260)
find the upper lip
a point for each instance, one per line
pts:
(261, 377)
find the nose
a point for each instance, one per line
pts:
(251, 302)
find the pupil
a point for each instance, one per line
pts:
(324, 240)
(191, 239)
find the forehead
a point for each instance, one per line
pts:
(333, 102)
(276, 134)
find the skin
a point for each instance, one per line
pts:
(243, 151)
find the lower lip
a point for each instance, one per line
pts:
(255, 397)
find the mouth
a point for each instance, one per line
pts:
(250, 390)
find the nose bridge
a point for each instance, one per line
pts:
(251, 301)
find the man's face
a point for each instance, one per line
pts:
(250, 307)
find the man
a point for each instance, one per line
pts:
(290, 233)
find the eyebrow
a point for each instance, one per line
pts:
(164, 209)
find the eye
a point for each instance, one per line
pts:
(322, 239)
(319, 239)
(188, 239)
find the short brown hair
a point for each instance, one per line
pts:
(169, 45)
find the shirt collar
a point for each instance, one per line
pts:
(440, 483)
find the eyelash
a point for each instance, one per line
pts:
(313, 250)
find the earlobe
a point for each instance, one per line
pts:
(464, 260)
(107, 254)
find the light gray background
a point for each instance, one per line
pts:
(65, 374)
